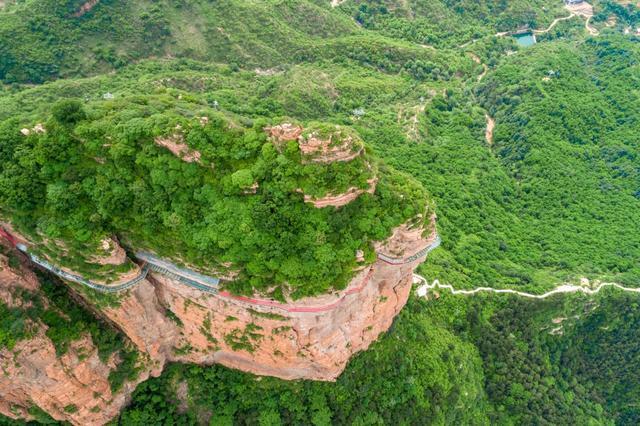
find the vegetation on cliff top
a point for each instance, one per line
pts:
(97, 171)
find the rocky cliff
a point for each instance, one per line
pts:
(311, 338)
(73, 386)
(273, 216)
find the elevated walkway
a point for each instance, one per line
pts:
(422, 253)
(182, 275)
(185, 276)
(114, 288)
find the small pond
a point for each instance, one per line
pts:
(525, 40)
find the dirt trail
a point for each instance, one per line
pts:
(478, 61)
(592, 30)
(563, 288)
(488, 134)
(336, 3)
(554, 23)
(583, 9)
(413, 132)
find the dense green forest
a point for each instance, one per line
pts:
(552, 196)
(68, 185)
(446, 361)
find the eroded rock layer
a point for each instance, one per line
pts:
(311, 338)
(73, 387)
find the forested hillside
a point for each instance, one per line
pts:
(551, 194)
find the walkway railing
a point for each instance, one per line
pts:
(80, 280)
(422, 253)
(183, 275)
(186, 276)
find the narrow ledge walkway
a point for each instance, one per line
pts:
(201, 282)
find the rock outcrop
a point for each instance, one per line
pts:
(311, 338)
(319, 146)
(341, 199)
(329, 145)
(113, 253)
(175, 143)
(72, 387)
(335, 146)
(85, 8)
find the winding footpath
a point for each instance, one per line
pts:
(554, 23)
(564, 288)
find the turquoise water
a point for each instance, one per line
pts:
(526, 40)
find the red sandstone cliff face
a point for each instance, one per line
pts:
(32, 374)
(312, 338)
(336, 146)
(341, 199)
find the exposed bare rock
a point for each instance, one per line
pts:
(316, 146)
(341, 199)
(175, 144)
(38, 129)
(32, 373)
(488, 134)
(284, 132)
(337, 146)
(408, 239)
(311, 338)
(114, 254)
(253, 189)
(86, 7)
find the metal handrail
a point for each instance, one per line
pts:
(401, 261)
(80, 280)
(183, 275)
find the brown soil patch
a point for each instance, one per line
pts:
(488, 134)
(175, 144)
(582, 9)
